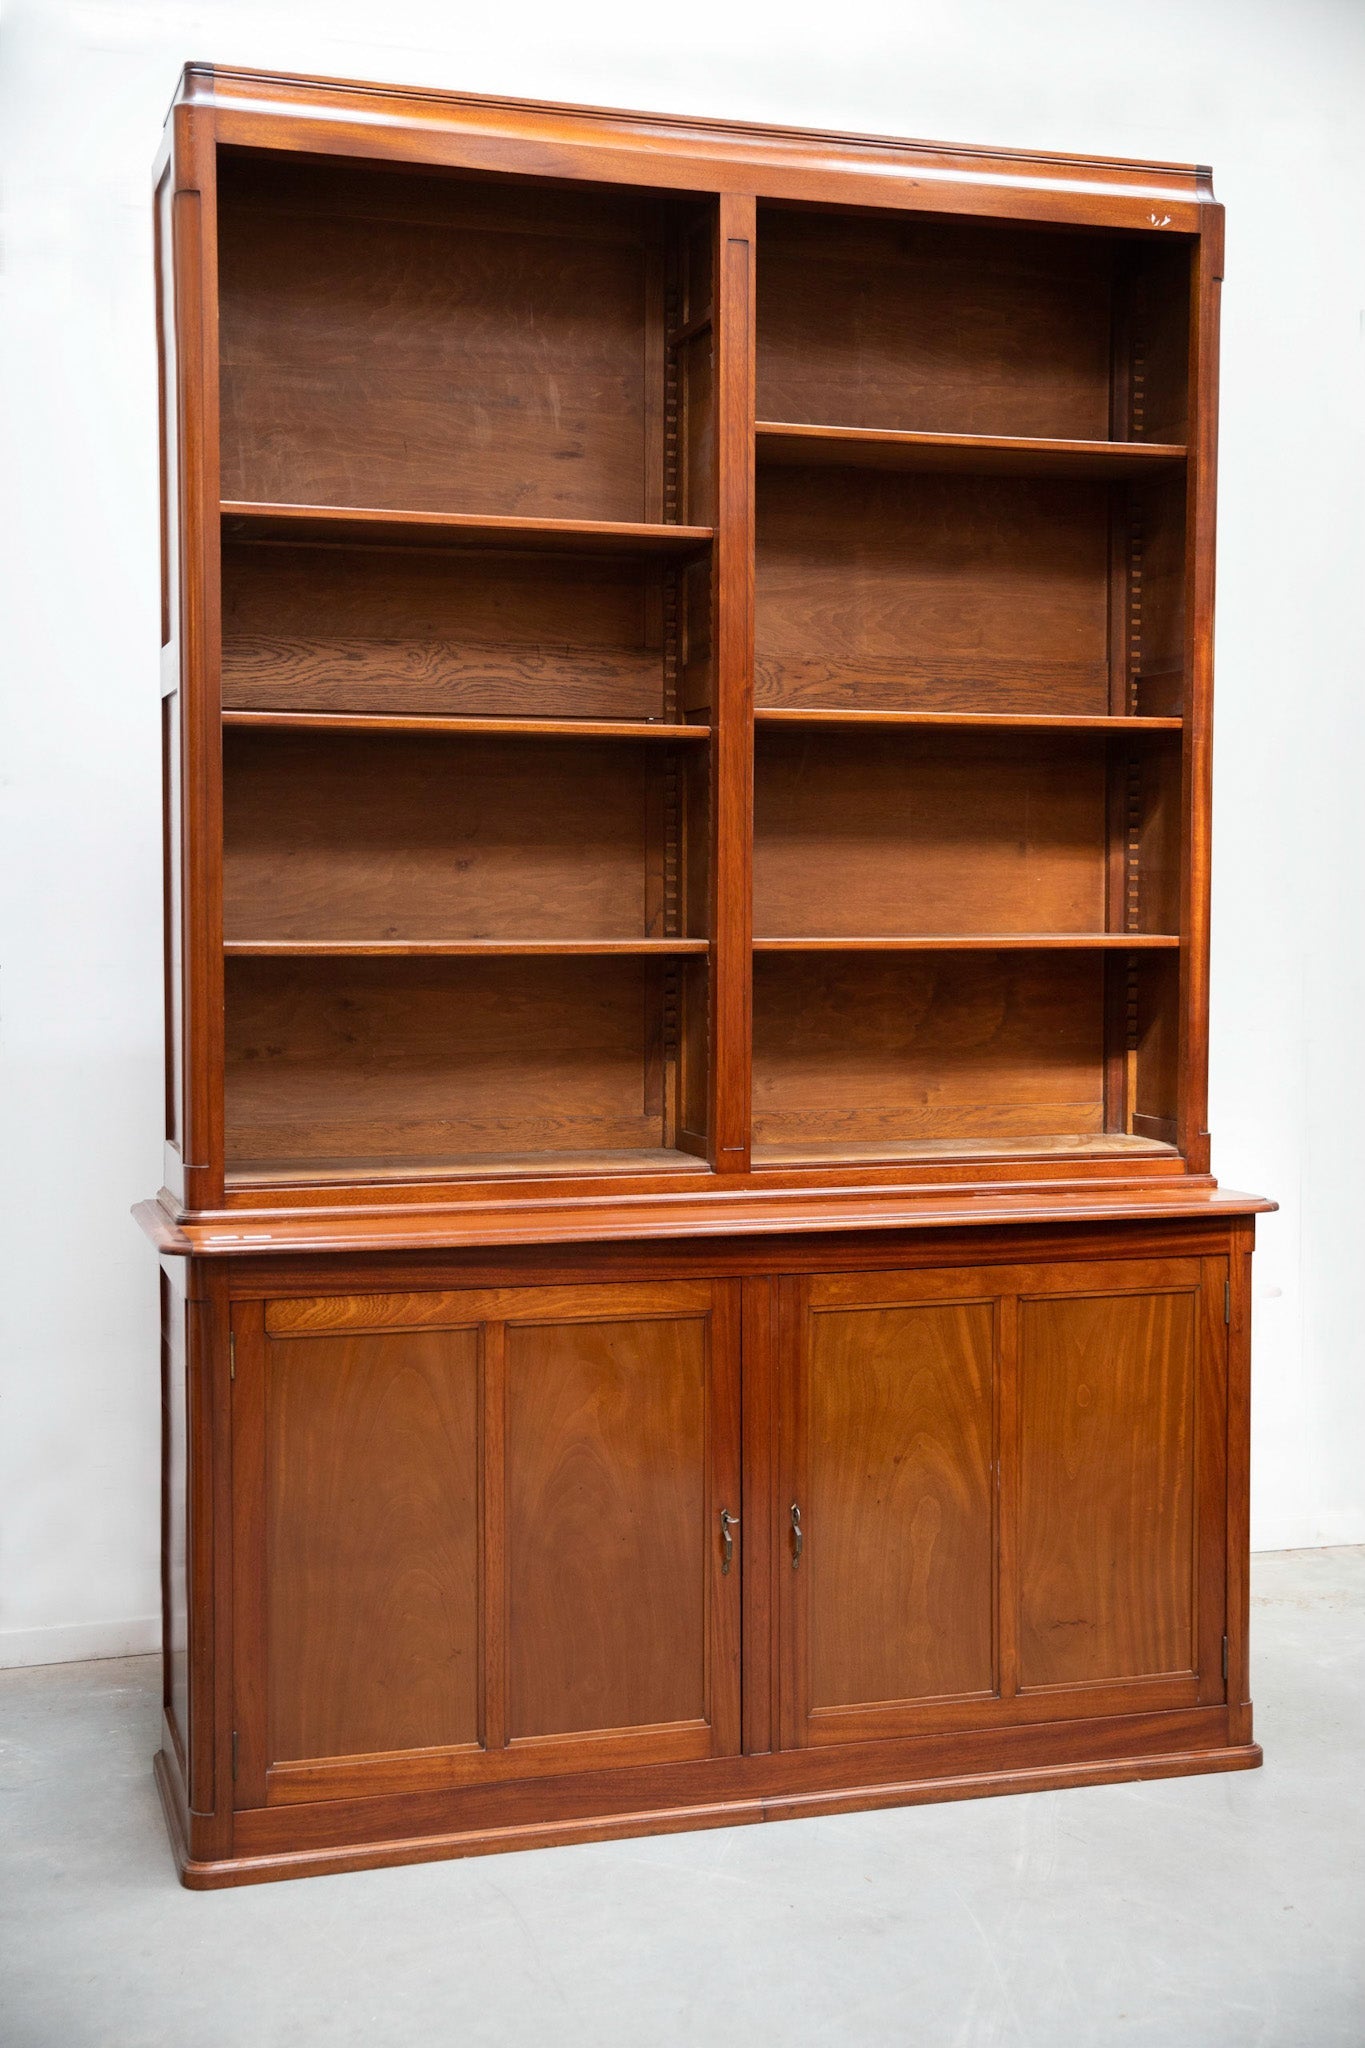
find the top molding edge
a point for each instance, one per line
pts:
(777, 160)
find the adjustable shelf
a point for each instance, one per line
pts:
(782, 444)
(980, 942)
(459, 949)
(1079, 1146)
(377, 526)
(967, 721)
(362, 1171)
(456, 727)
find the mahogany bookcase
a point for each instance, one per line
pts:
(692, 1286)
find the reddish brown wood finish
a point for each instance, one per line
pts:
(687, 698)
(900, 1388)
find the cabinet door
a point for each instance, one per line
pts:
(477, 1535)
(1010, 1490)
(887, 1513)
(1117, 1480)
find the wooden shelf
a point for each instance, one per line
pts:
(782, 444)
(361, 526)
(455, 949)
(1084, 1145)
(981, 942)
(458, 727)
(969, 720)
(461, 1166)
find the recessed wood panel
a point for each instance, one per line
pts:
(1157, 519)
(877, 591)
(892, 834)
(434, 345)
(1156, 1059)
(898, 1507)
(609, 1549)
(331, 836)
(175, 1532)
(932, 327)
(409, 633)
(1107, 1484)
(391, 1065)
(372, 1543)
(871, 1050)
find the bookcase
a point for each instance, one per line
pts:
(692, 1286)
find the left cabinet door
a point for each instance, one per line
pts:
(477, 1535)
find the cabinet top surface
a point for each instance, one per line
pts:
(491, 132)
(600, 1220)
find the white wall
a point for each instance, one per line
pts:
(1271, 92)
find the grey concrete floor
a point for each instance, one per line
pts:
(1199, 1911)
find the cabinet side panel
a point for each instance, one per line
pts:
(197, 548)
(171, 805)
(175, 1620)
(1107, 1487)
(899, 1518)
(372, 1543)
(1201, 486)
(608, 1558)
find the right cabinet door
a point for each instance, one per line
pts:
(1001, 1495)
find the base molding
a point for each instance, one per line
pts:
(202, 1874)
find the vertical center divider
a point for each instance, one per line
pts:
(732, 740)
(493, 1534)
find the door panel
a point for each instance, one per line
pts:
(477, 1537)
(607, 1528)
(372, 1530)
(891, 1599)
(1012, 1489)
(1107, 1529)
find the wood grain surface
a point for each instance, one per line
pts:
(878, 591)
(432, 346)
(372, 1543)
(1107, 1487)
(877, 1049)
(339, 836)
(898, 1504)
(608, 1537)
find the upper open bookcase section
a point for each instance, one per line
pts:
(697, 639)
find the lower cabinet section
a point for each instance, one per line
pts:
(478, 1535)
(507, 1566)
(1010, 1488)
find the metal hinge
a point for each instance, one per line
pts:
(1225, 1660)
(232, 1354)
(234, 1756)
(1227, 1301)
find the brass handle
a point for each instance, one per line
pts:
(727, 1523)
(798, 1538)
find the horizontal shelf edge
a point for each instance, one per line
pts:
(791, 442)
(456, 726)
(1003, 720)
(305, 949)
(379, 524)
(950, 1151)
(984, 942)
(465, 1168)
